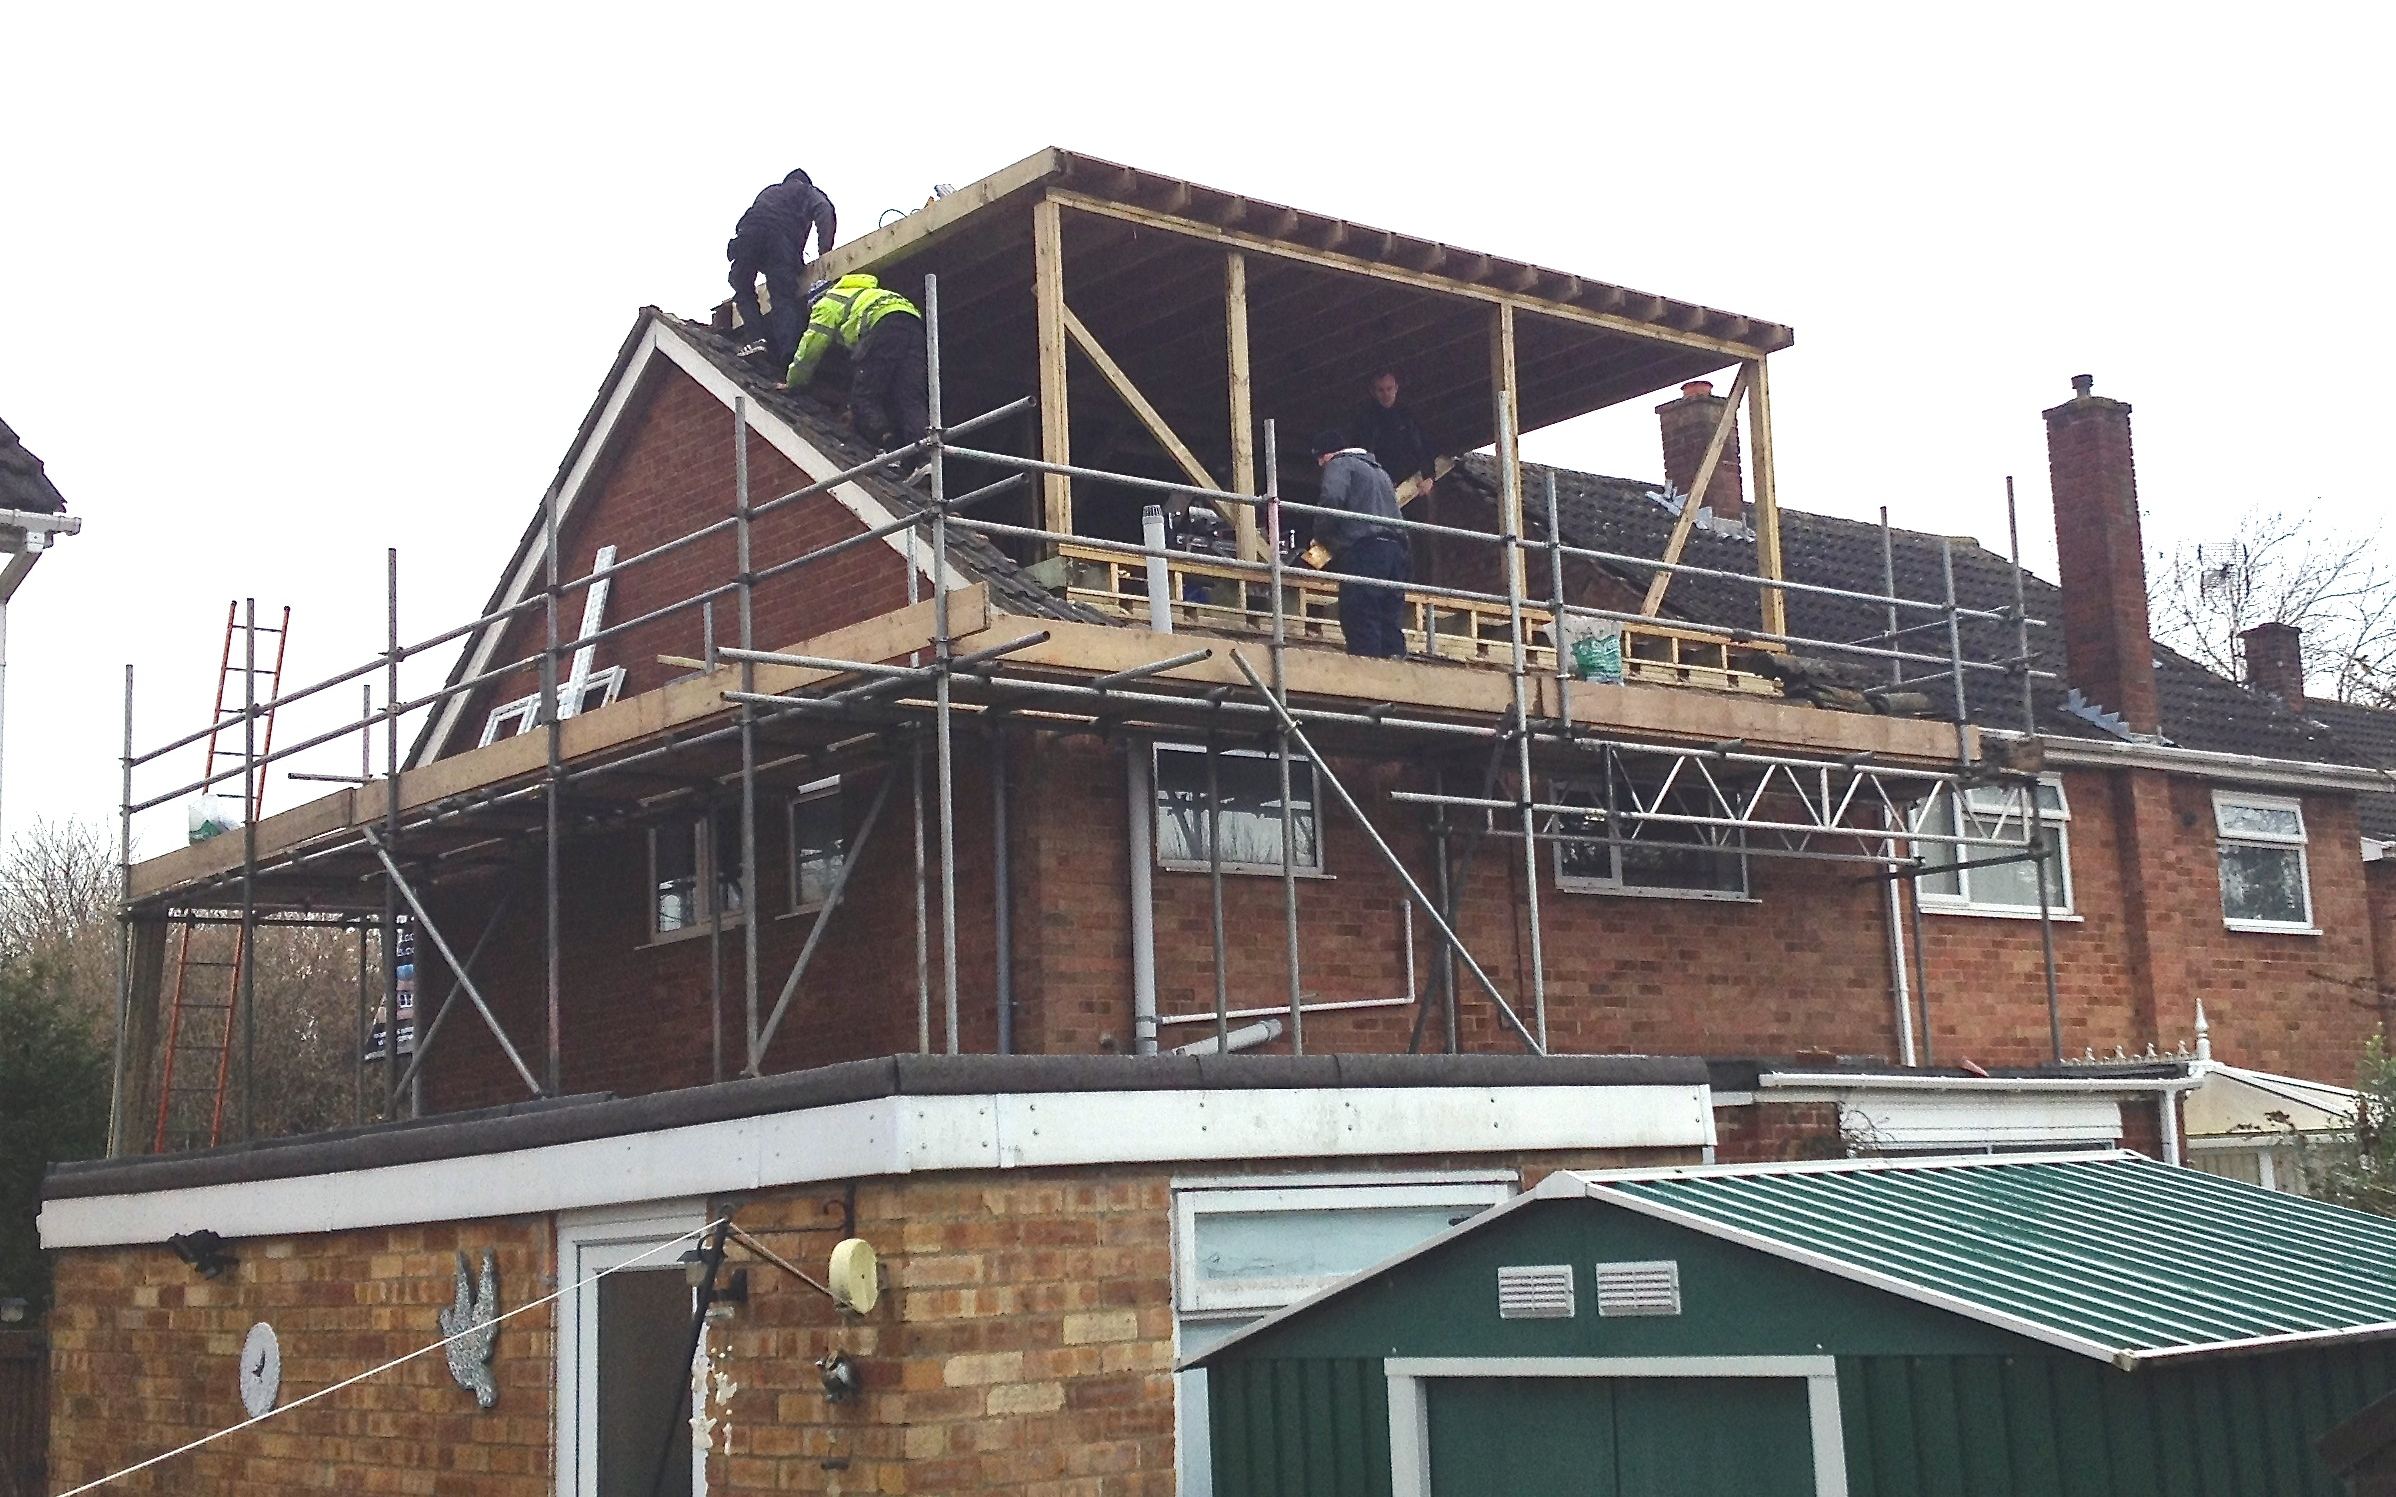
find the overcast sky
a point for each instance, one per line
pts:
(281, 287)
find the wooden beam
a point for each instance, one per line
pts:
(1509, 444)
(874, 250)
(1048, 287)
(1767, 499)
(1243, 402)
(1422, 279)
(1714, 446)
(1105, 364)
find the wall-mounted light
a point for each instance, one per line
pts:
(208, 1254)
(13, 1311)
(731, 1286)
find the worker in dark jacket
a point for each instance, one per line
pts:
(888, 393)
(1388, 430)
(1362, 544)
(772, 238)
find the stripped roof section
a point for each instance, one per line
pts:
(2109, 1255)
(2201, 710)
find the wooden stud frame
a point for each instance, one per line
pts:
(1056, 444)
(1243, 413)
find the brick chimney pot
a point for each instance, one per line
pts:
(2108, 652)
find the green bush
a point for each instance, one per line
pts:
(53, 1106)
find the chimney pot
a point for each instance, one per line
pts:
(2083, 384)
(1698, 388)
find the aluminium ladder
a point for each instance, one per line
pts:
(202, 1019)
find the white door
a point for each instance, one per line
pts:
(623, 1353)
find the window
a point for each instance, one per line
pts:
(1648, 857)
(693, 874)
(2264, 881)
(819, 843)
(523, 714)
(1249, 819)
(2000, 813)
(1243, 1248)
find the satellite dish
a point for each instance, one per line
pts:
(856, 1276)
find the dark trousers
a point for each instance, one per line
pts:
(888, 393)
(1372, 617)
(783, 323)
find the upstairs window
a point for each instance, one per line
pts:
(2001, 814)
(694, 871)
(1629, 854)
(2265, 881)
(524, 713)
(1249, 817)
(819, 844)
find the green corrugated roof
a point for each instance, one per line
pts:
(2111, 1255)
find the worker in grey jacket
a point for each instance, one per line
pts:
(1362, 545)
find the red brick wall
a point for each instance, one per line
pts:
(669, 471)
(2100, 558)
(1777, 1132)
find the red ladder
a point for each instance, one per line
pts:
(211, 1033)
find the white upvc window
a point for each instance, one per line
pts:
(2266, 881)
(819, 844)
(523, 714)
(1628, 854)
(1246, 1246)
(2000, 813)
(1249, 814)
(694, 871)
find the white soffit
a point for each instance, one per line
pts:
(904, 1135)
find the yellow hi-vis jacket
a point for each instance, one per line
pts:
(845, 314)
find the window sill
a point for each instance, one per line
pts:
(2270, 928)
(1245, 870)
(1618, 891)
(698, 932)
(1991, 912)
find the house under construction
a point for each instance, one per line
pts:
(765, 765)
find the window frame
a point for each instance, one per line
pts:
(706, 874)
(813, 792)
(1317, 867)
(2057, 821)
(2300, 841)
(1562, 787)
(526, 709)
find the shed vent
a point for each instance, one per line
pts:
(1541, 1291)
(1649, 1288)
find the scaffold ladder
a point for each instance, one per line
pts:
(202, 1016)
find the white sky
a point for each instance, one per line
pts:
(283, 286)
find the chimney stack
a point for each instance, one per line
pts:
(2102, 557)
(2275, 661)
(1688, 425)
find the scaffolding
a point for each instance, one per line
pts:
(368, 872)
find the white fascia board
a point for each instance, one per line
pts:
(903, 1135)
(1834, 1086)
(660, 339)
(1918, 1120)
(2205, 764)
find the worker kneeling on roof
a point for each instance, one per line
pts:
(883, 334)
(1363, 543)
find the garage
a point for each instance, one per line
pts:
(2092, 1324)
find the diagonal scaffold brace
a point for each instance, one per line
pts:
(457, 968)
(1414, 891)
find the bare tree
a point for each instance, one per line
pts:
(2287, 566)
(58, 904)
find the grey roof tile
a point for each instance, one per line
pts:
(23, 483)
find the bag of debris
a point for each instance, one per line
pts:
(213, 816)
(1592, 646)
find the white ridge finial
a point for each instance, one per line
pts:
(2204, 1035)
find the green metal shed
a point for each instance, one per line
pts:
(2094, 1325)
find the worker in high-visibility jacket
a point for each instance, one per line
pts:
(883, 334)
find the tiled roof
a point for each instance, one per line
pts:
(2370, 732)
(2200, 709)
(23, 484)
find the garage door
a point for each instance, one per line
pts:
(1619, 1437)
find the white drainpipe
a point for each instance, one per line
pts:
(1160, 576)
(1140, 765)
(1246, 1037)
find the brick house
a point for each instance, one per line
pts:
(871, 949)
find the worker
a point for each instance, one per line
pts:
(1362, 543)
(883, 334)
(772, 238)
(1388, 430)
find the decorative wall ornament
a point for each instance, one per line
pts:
(473, 1318)
(261, 1370)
